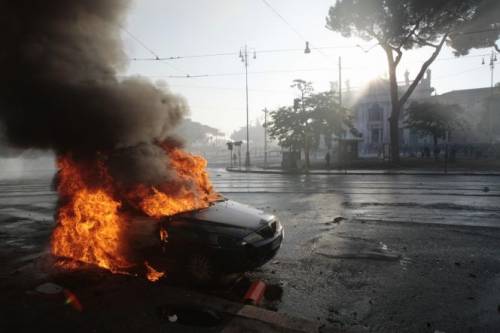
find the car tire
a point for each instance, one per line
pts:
(201, 269)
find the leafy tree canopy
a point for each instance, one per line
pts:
(194, 131)
(318, 114)
(434, 119)
(415, 23)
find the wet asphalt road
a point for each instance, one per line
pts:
(457, 200)
(413, 253)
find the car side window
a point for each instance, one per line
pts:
(180, 229)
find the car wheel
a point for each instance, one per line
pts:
(201, 268)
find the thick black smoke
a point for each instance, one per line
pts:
(59, 87)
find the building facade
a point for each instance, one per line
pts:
(371, 108)
(474, 103)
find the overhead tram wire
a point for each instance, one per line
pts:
(293, 29)
(270, 72)
(353, 88)
(187, 76)
(156, 57)
(147, 48)
(209, 55)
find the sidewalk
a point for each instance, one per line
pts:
(408, 172)
(107, 302)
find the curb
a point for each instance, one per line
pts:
(366, 173)
(270, 321)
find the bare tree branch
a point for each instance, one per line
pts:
(398, 57)
(412, 32)
(423, 42)
(392, 73)
(424, 67)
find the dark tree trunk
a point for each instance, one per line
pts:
(306, 151)
(394, 134)
(399, 102)
(396, 106)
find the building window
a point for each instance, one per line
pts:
(376, 135)
(375, 112)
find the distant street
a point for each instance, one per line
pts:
(457, 200)
(379, 253)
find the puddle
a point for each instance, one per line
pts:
(190, 315)
(337, 247)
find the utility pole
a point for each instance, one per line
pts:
(493, 59)
(265, 137)
(244, 58)
(340, 81)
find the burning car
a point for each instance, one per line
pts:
(227, 237)
(179, 223)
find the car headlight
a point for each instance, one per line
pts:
(279, 227)
(253, 238)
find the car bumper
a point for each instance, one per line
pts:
(250, 256)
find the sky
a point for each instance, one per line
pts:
(276, 30)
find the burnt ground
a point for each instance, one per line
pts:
(361, 253)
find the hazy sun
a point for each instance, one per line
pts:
(360, 67)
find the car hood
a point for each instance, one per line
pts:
(233, 214)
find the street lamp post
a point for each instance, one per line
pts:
(340, 81)
(265, 137)
(244, 59)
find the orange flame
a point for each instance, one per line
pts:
(195, 190)
(92, 221)
(89, 226)
(152, 274)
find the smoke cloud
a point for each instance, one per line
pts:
(60, 90)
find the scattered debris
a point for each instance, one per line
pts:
(255, 293)
(49, 288)
(190, 315)
(55, 290)
(72, 300)
(152, 274)
(338, 219)
(457, 263)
